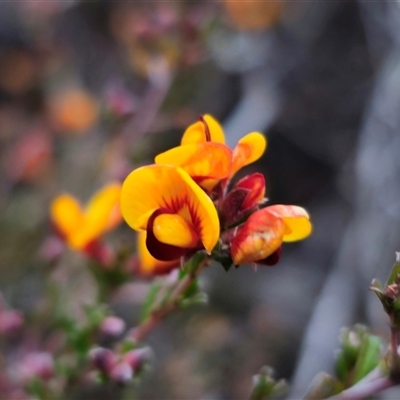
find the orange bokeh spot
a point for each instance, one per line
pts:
(73, 111)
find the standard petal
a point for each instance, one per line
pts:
(296, 219)
(207, 162)
(165, 186)
(249, 149)
(196, 133)
(259, 237)
(148, 265)
(66, 214)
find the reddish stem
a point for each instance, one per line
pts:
(364, 389)
(159, 314)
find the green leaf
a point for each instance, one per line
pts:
(198, 298)
(386, 301)
(149, 301)
(395, 271)
(360, 353)
(375, 285)
(193, 263)
(371, 352)
(96, 314)
(191, 290)
(265, 386)
(223, 258)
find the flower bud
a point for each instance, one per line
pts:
(121, 372)
(103, 359)
(112, 327)
(137, 358)
(10, 321)
(259, 237)
(255, 183)
(37, 365)
(243, 199)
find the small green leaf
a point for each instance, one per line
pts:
(265, 386)
(395, 271)
(128, 345)
(191, 290)
(371, 352)
(223, 258)
(375, 285)
(96, 314)
(387, 302)
(198, 298)
(149, 301)
(360, 353)
(193, 263)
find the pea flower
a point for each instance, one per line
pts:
(260, 238)
(82, 227)
(176, 214)
(205, 157)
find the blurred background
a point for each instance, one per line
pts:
(90, 90)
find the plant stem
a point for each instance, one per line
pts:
(364, 389)
(171, 305)
(394, 344)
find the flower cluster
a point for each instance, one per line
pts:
(185, 202)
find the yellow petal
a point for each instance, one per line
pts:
(196, 133)
(249, 149)
(148, 265)
(207, 163)
(103, 208)
(167, 187)
(296, 220)
(67, 215)
(175, 230)
(101, 215)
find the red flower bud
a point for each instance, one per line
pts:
(103, 359)
(112, 327)
(259, 237)
(255, 183)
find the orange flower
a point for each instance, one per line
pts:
(81, 227)
(265, 230)
(205, 157)
(176, 213)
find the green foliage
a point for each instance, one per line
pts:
(395, 271)
(360, 353)
(389, 296)
(265, 386)
(149, 301)
(80, 337)
(167, 294)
